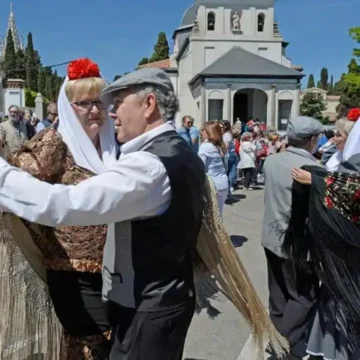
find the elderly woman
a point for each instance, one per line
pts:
(329, 203)
(247, 159)
(70, 258)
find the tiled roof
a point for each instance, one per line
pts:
(161, 64)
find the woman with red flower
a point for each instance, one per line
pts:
(70, 258)
(325, 227)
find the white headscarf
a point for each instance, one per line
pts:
(352, 147)
(79, 144)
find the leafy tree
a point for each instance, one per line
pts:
(31, 65)
(9, 63)
(324, 78)
(144, 61)
(311, 81)
(161, 49)
(355, 35)
(313, 105)
(331, 86)
(350, 83)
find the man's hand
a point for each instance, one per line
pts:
(2, 142)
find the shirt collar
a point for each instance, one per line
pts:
(301, 152)
(138, 142)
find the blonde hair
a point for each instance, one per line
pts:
(344, 125)
(84, 86)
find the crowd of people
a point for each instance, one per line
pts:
(232, 155)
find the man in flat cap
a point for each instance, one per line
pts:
(152, 199)
(292, 298)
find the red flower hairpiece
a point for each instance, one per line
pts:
(353, 114)
(83, 68)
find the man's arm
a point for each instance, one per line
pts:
(136, 186)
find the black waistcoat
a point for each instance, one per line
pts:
(148, 262)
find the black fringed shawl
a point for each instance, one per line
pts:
(324, 227)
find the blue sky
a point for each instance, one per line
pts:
(117, 34)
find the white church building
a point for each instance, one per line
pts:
(229, 62)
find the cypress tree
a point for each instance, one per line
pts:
(41, 82)
(21, 65)
(311, 81)
(9, 64)
(31, 65)
(324, 78)
(161, 49)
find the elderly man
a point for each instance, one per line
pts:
(51, 119)
(152, 199)
(13, 133)
(292, 296)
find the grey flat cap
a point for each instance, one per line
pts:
(304, 127)
(150, 76)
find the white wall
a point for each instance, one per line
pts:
(13, 96)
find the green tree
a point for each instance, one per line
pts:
(41, 81)
(331, 86)
(313, 105)
(21, 65)
(144, 61)
(324, 78)
(350, 83)
(161, 49)
(9, 63)
(355, 35)
(311, 81)
(32, 69)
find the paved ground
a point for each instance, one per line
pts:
(225, 337)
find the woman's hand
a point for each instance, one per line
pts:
(301, 176)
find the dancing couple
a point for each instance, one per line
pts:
(105, 251)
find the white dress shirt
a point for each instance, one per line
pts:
(136, 186)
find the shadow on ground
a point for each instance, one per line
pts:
(238, 240)
(234, 198)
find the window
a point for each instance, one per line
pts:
(215, 109)
(261, 22)
(211, 21)
(14, 92)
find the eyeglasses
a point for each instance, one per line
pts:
(87, 105)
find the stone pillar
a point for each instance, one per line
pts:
(203, 104)
(297, 101)
(229, 104)
(39, 107)
(272, 107)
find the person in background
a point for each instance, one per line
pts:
(213, 153)
(247, 159)
(195, 136)
(328, 149)
(13, 133)
(51, 119)
(292, 296)
(184, 131)
(228, 140)
(27, 117)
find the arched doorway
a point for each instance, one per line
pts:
(250, 103)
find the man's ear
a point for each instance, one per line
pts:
(150, 105)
